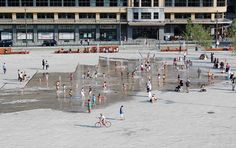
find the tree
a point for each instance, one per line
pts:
(198, 33)
(233, 34)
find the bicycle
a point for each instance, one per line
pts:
(106, 123)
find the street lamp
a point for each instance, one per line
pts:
(26, 30)
(216, 32)
(120, 23)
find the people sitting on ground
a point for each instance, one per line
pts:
(202, 88)
(153, 98)
(180, 85)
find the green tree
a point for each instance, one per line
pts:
(233, 34)
(198, 33)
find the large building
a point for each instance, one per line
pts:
(69, 21)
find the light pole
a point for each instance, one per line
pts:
(26, 30)
(120, 23)
(216, 32)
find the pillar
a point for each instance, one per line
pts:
(118, 17)
(140, 3)
(161, 33)
(213, 17)
(214, 3)
(152, 3)
(77, 34)
(35, 34)
(97, 17)
(76, 17)
(97, 32)
(192, 16)
(161, 3)
(13, 16)
(55, 17)
(35, 17)
(130, 33)
(118, 32)
(56, 34)
(172, 17)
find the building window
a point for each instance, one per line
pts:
(55, 3)
(69, 3)
(124, 3)
(146, 3)
(99, 3)
(87, 15)
(5, 16)
(66, 15)
(113, 2)
(45, 15)
(136, 3)
(2, 2)
(202, 15)
(180, 3)
(123, 16)
(27, 3)
(135, 15)
(156, 15)
(42, 3)
(145, 15)
(221, 3)
(208, 3)
(168, 3)
(167, 15)
(108, 16)
(22, 15)
(182, 15)
(13, 3)
(156, 3)
(194, 3)
(84, 3)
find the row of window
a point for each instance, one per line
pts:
(146, 15)
(60, 3)
(194, 3)
(62, 15)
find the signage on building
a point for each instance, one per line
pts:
(45, 35)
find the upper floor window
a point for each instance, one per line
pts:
(66, 15)
(99, 2)
(167, 15)
(208, 3)
(69, 3)
(156, 3)
(168, 3)
(42, 3)
(5, 16)
(202, 15)
(2, 2)
(135, 15)
(108, 16)
(55, 3)
(182, 15)
(87, 15)
(45, 15)
(123, 16)
(136, 3)
(145, 15)
(180, 3)
(146, 3)
(27, 3)
(156, 15)
(13, 3)
(113, 2)
(221, 3)
(23, 15)
(194, 3)
(84, 3)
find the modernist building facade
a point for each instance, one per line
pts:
(73, 20)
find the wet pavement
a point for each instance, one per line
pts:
(41, 92)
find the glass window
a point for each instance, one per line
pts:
(146, 3)
(108, 16)
(99, 3)
(182, 15)
(84, 3)
(27, 3)
(194, 3)
(156, 3)
(145, 15)
(13, 3)
(156, 15)
(167, 15)
(168, 3)
(180, 3)
(87, 15)
(135, 15)
(41, 2)
(123, 16)
(5, 16)
(2, 3)
(136, 3)
(45, 15)
(208, 3)
(69, 3)
(202, 15)
(221, 3)
(124, 2)
(113, 2)
(66, 15)
(55, 3)
(22, 15)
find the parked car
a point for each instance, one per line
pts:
(6, 43)
(49, 42)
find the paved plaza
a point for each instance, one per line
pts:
(33, 114)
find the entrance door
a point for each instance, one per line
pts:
(145, 32)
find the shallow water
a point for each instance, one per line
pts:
(40, 93)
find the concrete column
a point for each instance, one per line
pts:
(140, 3)
(214, 3)
(55, 17)
(77, 34)
(97, 32)
(118, 31)
(14, 37)
(130, 3)
(161, 3)
(152, 3)
(192, 16)
(130, 33)
(161, 33)
(56, 34)
(213, 17)
(76, 17)
(35, 34)
(13, 16)
(172, 17)
(97, 17)
(35, 17)
(118, 17)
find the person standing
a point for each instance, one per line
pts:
(199, 73)
(43, 63)
(46, 65)
(89, 106)
(212, 57)
(122, 113)
(4, 67)
(187, 83)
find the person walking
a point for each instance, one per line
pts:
(199, 73)
(43, 63)
(89, 106)
(46, 65)
(187, 83)
(122, 113)
(4, 67)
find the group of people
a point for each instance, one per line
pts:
(22, 76)
(45, 64)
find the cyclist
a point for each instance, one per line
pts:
(102, 119)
